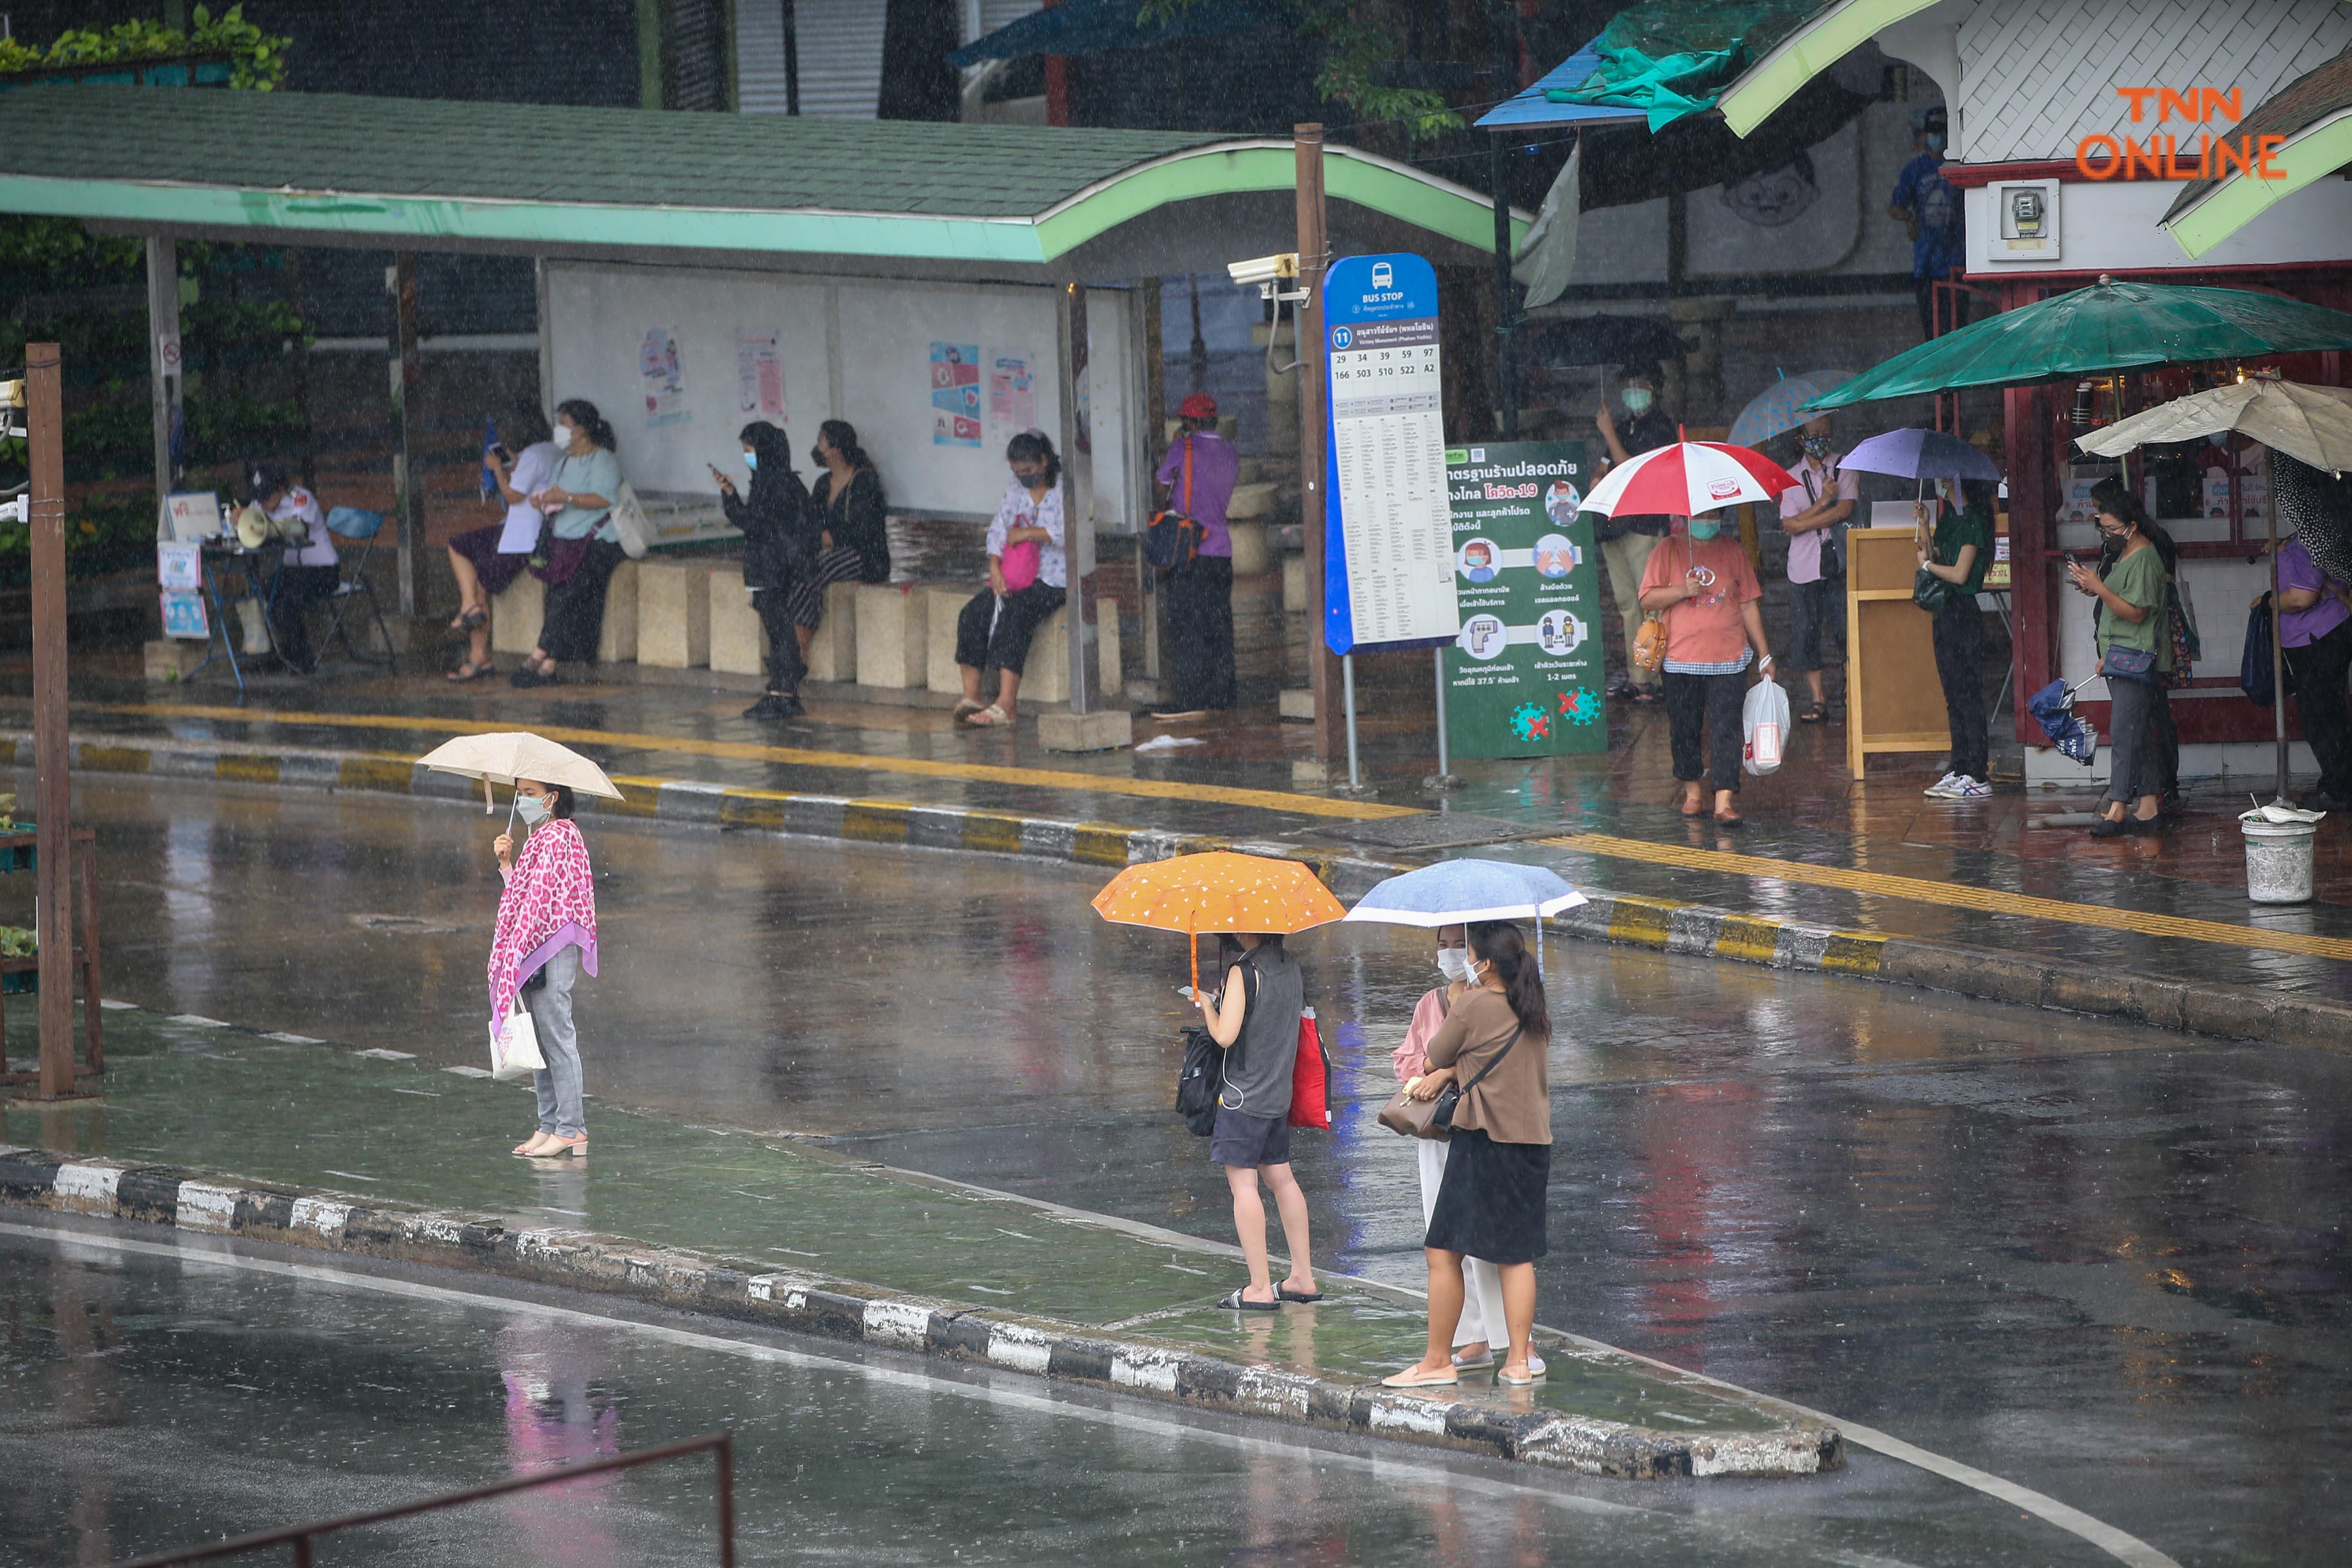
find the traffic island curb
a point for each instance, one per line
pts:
(2191, 1006)
(834, 1310)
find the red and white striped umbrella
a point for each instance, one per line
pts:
(1687, 478)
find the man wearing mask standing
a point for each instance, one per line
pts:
(1930, 209)
(1627, 539)
(1812, 511)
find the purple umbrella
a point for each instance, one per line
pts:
(1920, 455)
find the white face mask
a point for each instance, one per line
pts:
(531, 808)
(1454, 962)
(1471, 967)
(565, 435)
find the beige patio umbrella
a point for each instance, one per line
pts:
(510, 755)
(2310, 424)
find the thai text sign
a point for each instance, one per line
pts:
(1523, 677)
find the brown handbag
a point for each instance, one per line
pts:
(1434, 1118)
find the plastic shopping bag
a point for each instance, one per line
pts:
(1765, 721)
(514, 1047)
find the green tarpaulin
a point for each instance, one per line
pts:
(1669, 58)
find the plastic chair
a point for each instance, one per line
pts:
(348, 522)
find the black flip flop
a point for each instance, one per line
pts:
(1286, 1293)
(1237, 1302)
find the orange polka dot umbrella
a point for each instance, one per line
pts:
(1218, 891)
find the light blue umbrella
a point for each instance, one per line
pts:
(1456, 892)
(1459, 892)
(1781, 406)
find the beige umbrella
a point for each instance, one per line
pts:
(511, 754)
(2312, 423)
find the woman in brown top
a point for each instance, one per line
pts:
(1490, 1204)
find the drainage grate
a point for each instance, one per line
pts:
(1438, 830)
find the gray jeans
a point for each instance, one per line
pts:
(2135, 761)
(551, 1013)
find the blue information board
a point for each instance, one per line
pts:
(1388, 560)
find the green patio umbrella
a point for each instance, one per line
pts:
(2108, 326)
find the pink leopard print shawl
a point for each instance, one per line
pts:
(550, 900)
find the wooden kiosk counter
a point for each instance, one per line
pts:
(1893, 700)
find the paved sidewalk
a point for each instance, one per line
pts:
(217, 1128)
(1872, 858)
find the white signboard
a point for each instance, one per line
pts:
(1394, 563)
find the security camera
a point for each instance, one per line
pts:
(1264, 270)
(18, 511)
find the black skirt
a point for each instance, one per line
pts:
(1491, 1204)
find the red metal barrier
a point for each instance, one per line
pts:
(298, 1537)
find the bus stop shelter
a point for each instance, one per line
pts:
(861, 258)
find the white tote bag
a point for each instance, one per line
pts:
(1765, 719)
(629, 521)
(514, 1049)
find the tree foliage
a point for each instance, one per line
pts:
(256, 60)
(1357, 41)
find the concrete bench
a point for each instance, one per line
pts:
(893, 648)
(520, 614)
(674, 614)
(1045, 676)
(738, 644)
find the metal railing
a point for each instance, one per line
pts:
(298, 1537)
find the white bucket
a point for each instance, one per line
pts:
(2278, 861)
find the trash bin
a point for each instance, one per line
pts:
(2278, 860)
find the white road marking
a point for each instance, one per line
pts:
(1384, 1465)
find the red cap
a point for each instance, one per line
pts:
(1199, 405)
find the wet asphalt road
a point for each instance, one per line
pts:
(158, 1395)
(2103, 1261)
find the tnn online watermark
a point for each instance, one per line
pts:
(2160, 156)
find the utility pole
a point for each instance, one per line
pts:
(1314, 258)
(791, 59)
(52, 787)
(407, 472)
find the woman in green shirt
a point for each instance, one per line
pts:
(1959, 553)
(2134, 643)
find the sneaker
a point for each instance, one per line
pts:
(1942, 788)
(1963, 788)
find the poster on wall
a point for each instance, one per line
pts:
(662, 377)
(1387, 560)
(955, 394)
(1012, 392)
(1524, 679)
(758, 376)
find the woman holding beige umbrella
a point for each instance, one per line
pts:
(546, 936)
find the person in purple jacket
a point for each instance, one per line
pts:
(1197, 606)
(2315, 636)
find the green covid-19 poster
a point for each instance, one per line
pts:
(1524, 679)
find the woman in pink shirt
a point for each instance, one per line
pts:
(1705, 586)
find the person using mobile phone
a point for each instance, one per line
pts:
(777, 551)
(478, 558)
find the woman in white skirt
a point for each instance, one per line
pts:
(1482, 1295)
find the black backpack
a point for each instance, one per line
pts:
(1201, 1081)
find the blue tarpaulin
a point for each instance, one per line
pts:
(1090, 27)
(1533, 109)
